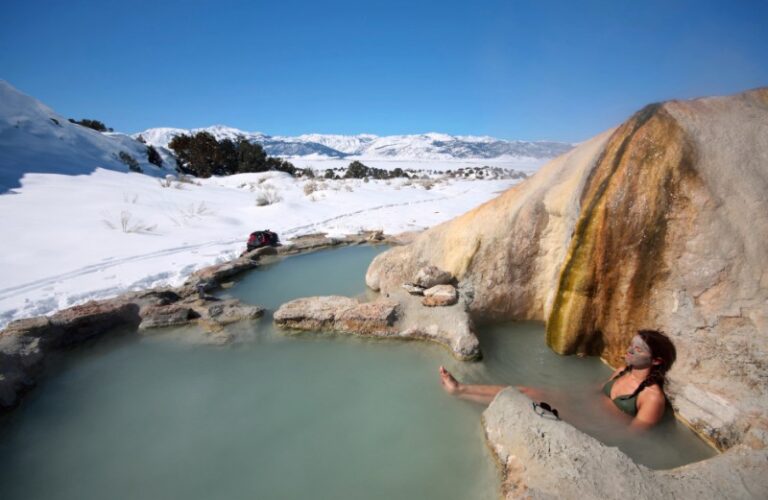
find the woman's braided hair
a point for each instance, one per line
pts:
(662, 349)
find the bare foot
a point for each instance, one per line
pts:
(450, 384)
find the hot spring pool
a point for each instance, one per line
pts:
(286, 416)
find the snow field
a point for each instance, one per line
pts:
(70, 239)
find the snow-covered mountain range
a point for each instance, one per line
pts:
(430, 146)
(34, 138)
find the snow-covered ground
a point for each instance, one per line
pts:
(76, 224)
(69, 239)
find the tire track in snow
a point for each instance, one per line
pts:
(43, 282)
(370, 209)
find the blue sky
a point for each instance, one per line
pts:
(533, 69)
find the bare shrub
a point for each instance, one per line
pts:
(127, 224)
(193, 211)
(186, 179)
(267, 196)
(310, 187)
(185, 215)
(166, 182)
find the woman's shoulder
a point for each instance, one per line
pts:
(652, 393)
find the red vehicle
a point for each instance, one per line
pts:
(259, 239)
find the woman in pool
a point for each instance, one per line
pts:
(637, 389)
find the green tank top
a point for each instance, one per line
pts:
(626, 403)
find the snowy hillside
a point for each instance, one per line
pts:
(431, 146)
(34, 138)
(100, 230)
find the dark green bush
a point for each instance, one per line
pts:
(357, 170)
(202, 155)
(92, 124)
(153, 156)
(129, 160)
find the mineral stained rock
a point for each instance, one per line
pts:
(660, 223)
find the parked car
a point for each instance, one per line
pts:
(259, 239)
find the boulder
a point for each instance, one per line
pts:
(430, 276)
(440, 295)
(25, 343)
(450, 326)
(73, 325)
(165, 316)
(229, 311)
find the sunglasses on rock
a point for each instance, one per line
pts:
(545, 411)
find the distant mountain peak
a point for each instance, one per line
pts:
(427, 146)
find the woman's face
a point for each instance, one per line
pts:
(639, 354)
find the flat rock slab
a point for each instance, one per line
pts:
(399, 316)
(548, 458)
(338, 314)
(308, 242)
(211, 276)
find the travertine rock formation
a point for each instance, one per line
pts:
(660, 223)
(547, 458)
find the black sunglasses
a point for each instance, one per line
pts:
(543, 409)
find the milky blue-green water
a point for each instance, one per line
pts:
(269, 416)
(272, 415)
